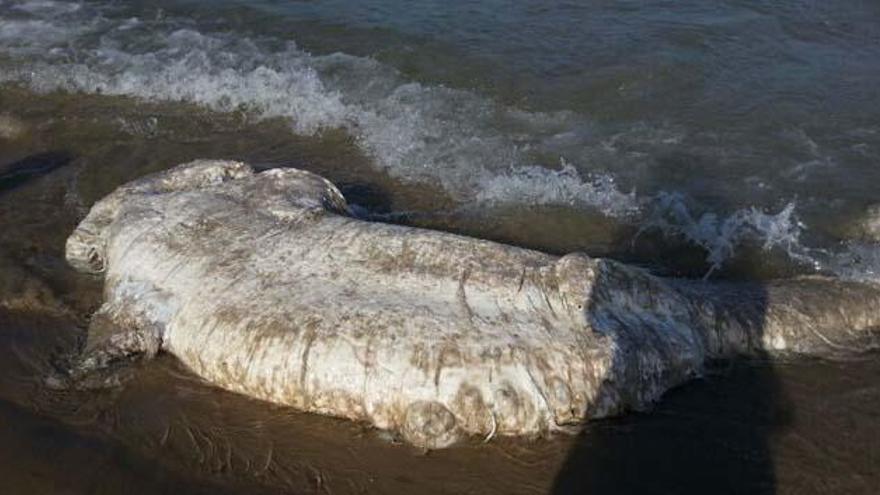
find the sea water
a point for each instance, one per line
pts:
(713, 124)
(719, 139)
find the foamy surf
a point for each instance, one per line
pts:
(480, 152)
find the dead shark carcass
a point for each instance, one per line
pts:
(264, 284)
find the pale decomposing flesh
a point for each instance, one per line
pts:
(266, 285)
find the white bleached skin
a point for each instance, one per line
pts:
(263, 284)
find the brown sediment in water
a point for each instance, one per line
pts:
(117, 139)
(799, 427)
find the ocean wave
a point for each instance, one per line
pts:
(720, 236)
(477, 150)
(566, 186)
(456, 139)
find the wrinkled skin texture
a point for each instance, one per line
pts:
(264, 284)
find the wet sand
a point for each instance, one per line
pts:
(798, 427)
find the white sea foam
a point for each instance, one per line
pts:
(475, 149)
(428, 134)
(566, 186)
(720, 236)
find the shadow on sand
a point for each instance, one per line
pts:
(711, 435)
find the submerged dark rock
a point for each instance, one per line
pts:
(15, 174)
